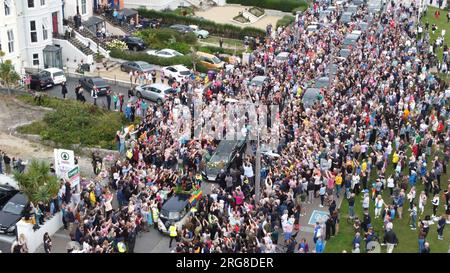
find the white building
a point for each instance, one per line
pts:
(39, 21)
(166, 4)
(84, 7)
(9, 36)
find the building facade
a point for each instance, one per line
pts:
(84, 7)
(39, 21)
(9, 36)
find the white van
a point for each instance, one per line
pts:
(57, 75)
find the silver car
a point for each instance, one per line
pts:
(157, 92)
(139, 66)
(310, 97)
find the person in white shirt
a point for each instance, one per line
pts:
(379, 203)
(435, 203)
(422, 202)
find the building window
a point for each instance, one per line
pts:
(36, 59)
(7, 7)
(10, 41)
(33, 31)
(42, 2)
(31, 3)
(83, 7)
(44, 29)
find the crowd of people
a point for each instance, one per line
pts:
(382, 102)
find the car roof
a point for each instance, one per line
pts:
(53, 69)
(96, 79)
(259, 78)
(180, 67)
(284, 53)
(141, 62)
(19, 198)
(205, 54)
(176, 203)
(160, 86)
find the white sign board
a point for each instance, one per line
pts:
(324, 164)
(64, 161)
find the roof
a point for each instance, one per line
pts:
(180, 67)
(128, 12)
(19, 198)
(53, 69)
(160, 86)
(93, 21)
(176, 203)
(259, 79)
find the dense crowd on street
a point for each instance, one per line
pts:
(382, 126)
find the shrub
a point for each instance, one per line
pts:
(75, 123)
(283, 5)
(185, 60)
(215, 49)
(167, 38)
(224, 30)
(285, 20)
(116, 44)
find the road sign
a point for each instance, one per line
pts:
(64, 161)
(74, 176)
(318, 216)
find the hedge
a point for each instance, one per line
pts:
(285, 20)
(283, 5)
(224, 30)
(185, 60)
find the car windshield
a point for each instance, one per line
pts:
(59, 73)
(185, 72)
(215, 60)
(99, 82)
(174, 215)
(145, 65)
(13, 208)
(169, 91)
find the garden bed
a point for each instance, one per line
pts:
(258, 12)
(241, 19)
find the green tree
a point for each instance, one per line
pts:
(37, 182)
(8, 76)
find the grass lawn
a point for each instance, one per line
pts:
(408, 239)
(226, 42)
(441, 23)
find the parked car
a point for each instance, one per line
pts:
(322, 82)
(282, 57)
(223, 157)
(179, 72)
(153, 23)
(181, 28)
(210, 61)
(199, 33)
(134, 43)
(157, 92)
(259, 80)
(175, 210)
(137, 66)
(344, 53)
(346, 17)
(6, 193)
(88, 84)
(12, 212)
(310, 97)
(350, 39)
(41, 80)
(57, 75)
(164, 53)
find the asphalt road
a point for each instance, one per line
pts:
(73, 82)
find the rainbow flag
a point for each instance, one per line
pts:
(195, 196)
